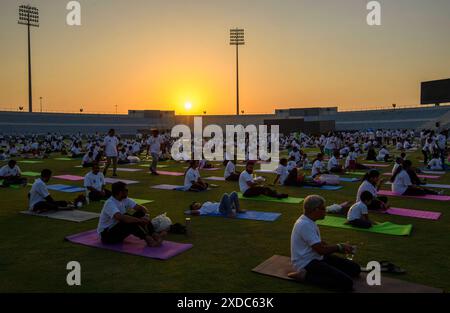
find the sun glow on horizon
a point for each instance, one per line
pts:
(188, 106)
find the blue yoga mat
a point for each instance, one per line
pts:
(326, 187)
(349, 179)
(65, 188)
(252, 215)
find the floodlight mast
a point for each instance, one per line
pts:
(29, 16)
(237, 39)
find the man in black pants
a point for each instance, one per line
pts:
(115, 224)
(94, 182)
(252, 188)
(40, 199)
(312, 258)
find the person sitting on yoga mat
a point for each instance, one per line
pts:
(11, 175)
(383, 155)
(398, 162)
(192, 179)
(333, 165)
(94, 181)
(402, 185)
(123, 157)
(40, 199)
(435, 163)
(291, 177)
(372, 183)
(317, 167)
(228, 206)
(88, 159)
(253, 188)
(371, 155)
(358, 215)
(230, 173)
(313, 259)
(115, 224)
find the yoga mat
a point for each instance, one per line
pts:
(66, 159)
(32, 174)
(170, 173)
(325, 187)
(115, 180)
(249, 215)
(427, 215)
(356, 173)
(441, 186)
(216, 178)
(131, 245)
(386, 228)
(290, 200)
(165, 187)
(30, 162)
(210, 169)
(349, 179)
(280, 266)
(420, 176)
(124, 169)
(72, 216)
(69, 177)
(65, 188)
(265, 171)
(376, 165)
(432, 172)
(141, 201)
(427, 197)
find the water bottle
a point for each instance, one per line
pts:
(187, 224)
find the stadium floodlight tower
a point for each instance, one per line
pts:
(237, 39)
(29, 16)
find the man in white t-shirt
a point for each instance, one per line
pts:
(358, 215)
(313, 259)
(115, 224)
(94, 182)
(253, 188)
(11, 174)
(230, 173)
(40, 199)
(110, 145)
(154, 143)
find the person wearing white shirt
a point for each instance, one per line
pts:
(372, 183)
(358, 214)
(154, 147)
(402, 185)
(192, 179)
(111, 142)
(250, 187)
(228, 206)
(230, 173)
(383, 154)
(313, 260)
(435, 164)
(317, 167)
(40, 199)
(123, 157)
(11, 174)
(88, 159)
(76, 151)
(333, 165)
(94, 182)
(115, 224)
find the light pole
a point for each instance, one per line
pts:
(40, 102)
(237, 39)
(29, 16)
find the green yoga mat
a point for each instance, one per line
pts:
(32, 174)
(141, 201)
(10, 186)
(386, 228)
(357, 173)
(290, 200)
(65, 159)
(30, 162)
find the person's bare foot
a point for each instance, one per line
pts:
(298, 276)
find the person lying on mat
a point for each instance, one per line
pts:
(314, 260)
(253, 188)
(402, 185)
(333, 165)
(291, 177)
(115, 224)
(192, 179)
(94, 182)
(230, 173)
(11, 174)
(40, 199)
(372, 183)
(228, 205)
(358, 215)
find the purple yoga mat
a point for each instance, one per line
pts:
(376, 165)
(427, 197)
(420, 176)
(166, 173)
(69, 177)
(132, 245)
(115, 180)
(414, 213)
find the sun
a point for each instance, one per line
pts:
(188, 105)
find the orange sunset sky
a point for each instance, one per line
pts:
(160, 54)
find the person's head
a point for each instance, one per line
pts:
(249, 167)
(314, 207)
(403, 155)
(161, 223)
(193, 164)
(406, 164)
(336, 154)
(95, 168)
(119, 190)
(372, 177)
(155, 132)
(320, 156)
(123, 150)
(366, 197)
(46, 174)
(12, 163)
(195, 206)
(283, 161)
(111, 132)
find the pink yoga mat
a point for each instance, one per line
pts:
(69, 177)
(420, 176)
(376, 165)
(115, 180)
(131, 245)
(414, 213)
(124, 169)
(170, 173)
(427, 197)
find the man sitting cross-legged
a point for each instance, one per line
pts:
(253, 188)
(115, 224)
(314, 259)
(94, 181)
(11, 174)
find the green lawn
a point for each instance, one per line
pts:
(33, 253)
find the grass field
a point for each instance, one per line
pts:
(33, 253)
